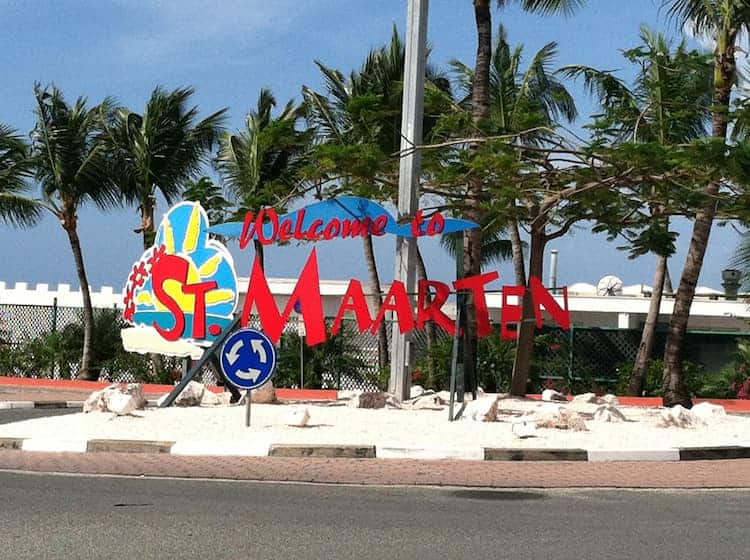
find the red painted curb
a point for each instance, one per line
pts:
(731, 405)
(282, 393)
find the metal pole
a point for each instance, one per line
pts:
(248, 400)
(302, 362)
(408, 181)
(553, 270)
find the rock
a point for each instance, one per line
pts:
(121, 404)
(609, 413)
(680, 417)
(552, 395)
(562, 420)
(349, 395)
(191, 395)
(586, 398)
(119, 399)
(427, 402)
(707, 411)
(223, 398)
(444, 396)
(209, 398)
(523, 427)
(416, 391)
(370, 400)
(609, 399)
(265, 394)
(481, 410)
(160, 400)
(297, 417)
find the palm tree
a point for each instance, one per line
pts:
(210, 196)
(357, 124)
(528, 104)
(16, 209)
(668, 104)
(159, 150)
(70, 163)
(259, 164)
(724, 21)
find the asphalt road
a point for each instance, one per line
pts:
(52, 516)
(19, 414)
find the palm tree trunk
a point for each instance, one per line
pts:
(674, 391)
(429, 328)
(527, 328)
(84, 372)
(480, 109)
(646, 347)
(147, 222)
(259, 253)
(519, 266)
(375, 299)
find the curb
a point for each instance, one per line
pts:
(348, 451)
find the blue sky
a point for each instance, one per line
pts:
(228, 51)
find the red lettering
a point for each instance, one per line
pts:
(285, 230)
(436, 225)
(396, 300)
(511, 313)
(355, 227)
(169, 267)
(312, 234)
(378, 225)
(416, 224)
(199, 310)
(248, 230)
(298, 234)
(543, 298)
(433, 311)
(306, 292)
(476, 285)
(259, 233)
(354, 300)
(332, 229)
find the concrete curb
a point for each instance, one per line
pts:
(8, 405)
(332, 451)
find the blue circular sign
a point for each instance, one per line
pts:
(248, 358)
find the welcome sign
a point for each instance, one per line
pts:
(184, 288)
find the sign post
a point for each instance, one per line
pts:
(248, 360)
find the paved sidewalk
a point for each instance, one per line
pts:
(694, 474)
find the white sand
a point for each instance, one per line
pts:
(344, 425)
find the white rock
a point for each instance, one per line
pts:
(609, 413)
(191, 395)
(552, 395)
(609, 399)
(444, 396)
(209, 398)
(136, 391)
(523, 427)
(298, 417)
(680, 417)
(265, 394)
(481, 410)
(707, 411)
(563, 420)
(94, 402)
(416, 391)
(586, 398)
(121, 404)
(427, 402)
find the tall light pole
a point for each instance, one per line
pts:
(408, 182)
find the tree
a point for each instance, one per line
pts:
(357, 124)
(480, 107)
(260, 163)
(724, 21)
(16, 208)
(669, 104)
(70, 163)
(210, 196)
(159, 150)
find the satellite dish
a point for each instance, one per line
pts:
(609, 285)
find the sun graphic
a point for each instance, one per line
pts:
(182, 233)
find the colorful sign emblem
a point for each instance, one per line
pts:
(185, 286)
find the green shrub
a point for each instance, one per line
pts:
(693, 377)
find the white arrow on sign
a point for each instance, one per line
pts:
(234, 352)
(258, 349)
(251, 374)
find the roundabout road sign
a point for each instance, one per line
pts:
(248, 358)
